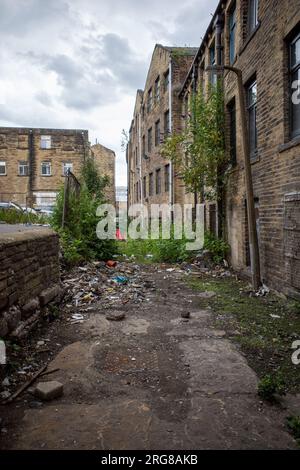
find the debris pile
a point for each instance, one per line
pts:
(113, 284)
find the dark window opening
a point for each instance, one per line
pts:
(232, 34)
(167, 177)
(252, 116)
(158, 181)
(232, 131)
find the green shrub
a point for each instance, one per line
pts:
(78, 237)
(218, 248)
(271, 385)
(293, 423)
(13, 216)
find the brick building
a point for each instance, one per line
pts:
(262, 38)
(33, 162)
(151, 179)
(105, 160)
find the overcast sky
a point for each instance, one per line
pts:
(78, 63)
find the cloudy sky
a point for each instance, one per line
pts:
(78, 63)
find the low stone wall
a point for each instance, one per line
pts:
(29, 278)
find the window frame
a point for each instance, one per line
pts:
(64, 165)
(151, 184)
(144, 187)
(250, 107)
(23, 164)
(253, 20)
(49, 165)
(149, 100)
(158, 181)
(166, 80)
(167, 177)
(157, 133)
(167, 126)
(292, 70)
(157, 90)
(232, 32)
(3, 163)
(231, 109)
(150, 140)
(46, 138)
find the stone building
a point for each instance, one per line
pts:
(33, 163)
(262, 38)
(105, 160)
(152, 179)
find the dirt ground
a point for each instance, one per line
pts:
(154, 380)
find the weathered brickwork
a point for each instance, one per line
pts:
(106, 161)
(29, 277)
(152, 179)
(263, 56)
(68, 149)
(24, 146)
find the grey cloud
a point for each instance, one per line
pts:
(20, 17)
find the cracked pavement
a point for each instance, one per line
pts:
(152, 381)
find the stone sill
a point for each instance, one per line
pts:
(292, 143)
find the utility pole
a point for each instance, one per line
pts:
(253, 238)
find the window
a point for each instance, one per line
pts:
(144, 187)
(150, 140)
(143, 112)
(157, 133)
(166, 80)
(66, 168)
(167, 178)
(232, 131)
(46, 142)
(157, 90)
(167, 123)
(151, 184)
(212, 61)
(144, 146)
(23, 169)
(253, 15)
(158, 181)
(2, 168)
(136, 157)
(149, 100)
(252, 115)
(46, 168)
(232, 34)
(295, 82)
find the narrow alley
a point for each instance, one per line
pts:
(161, 377)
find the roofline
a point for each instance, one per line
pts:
(211, 24)
(47, 129)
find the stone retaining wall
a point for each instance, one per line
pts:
(29, 278)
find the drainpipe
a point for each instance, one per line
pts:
(220, 202)
(171, 176)
(31, 167)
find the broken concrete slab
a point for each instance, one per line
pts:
(47, 391)
(115, 315)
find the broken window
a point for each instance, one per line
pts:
(67, 167)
